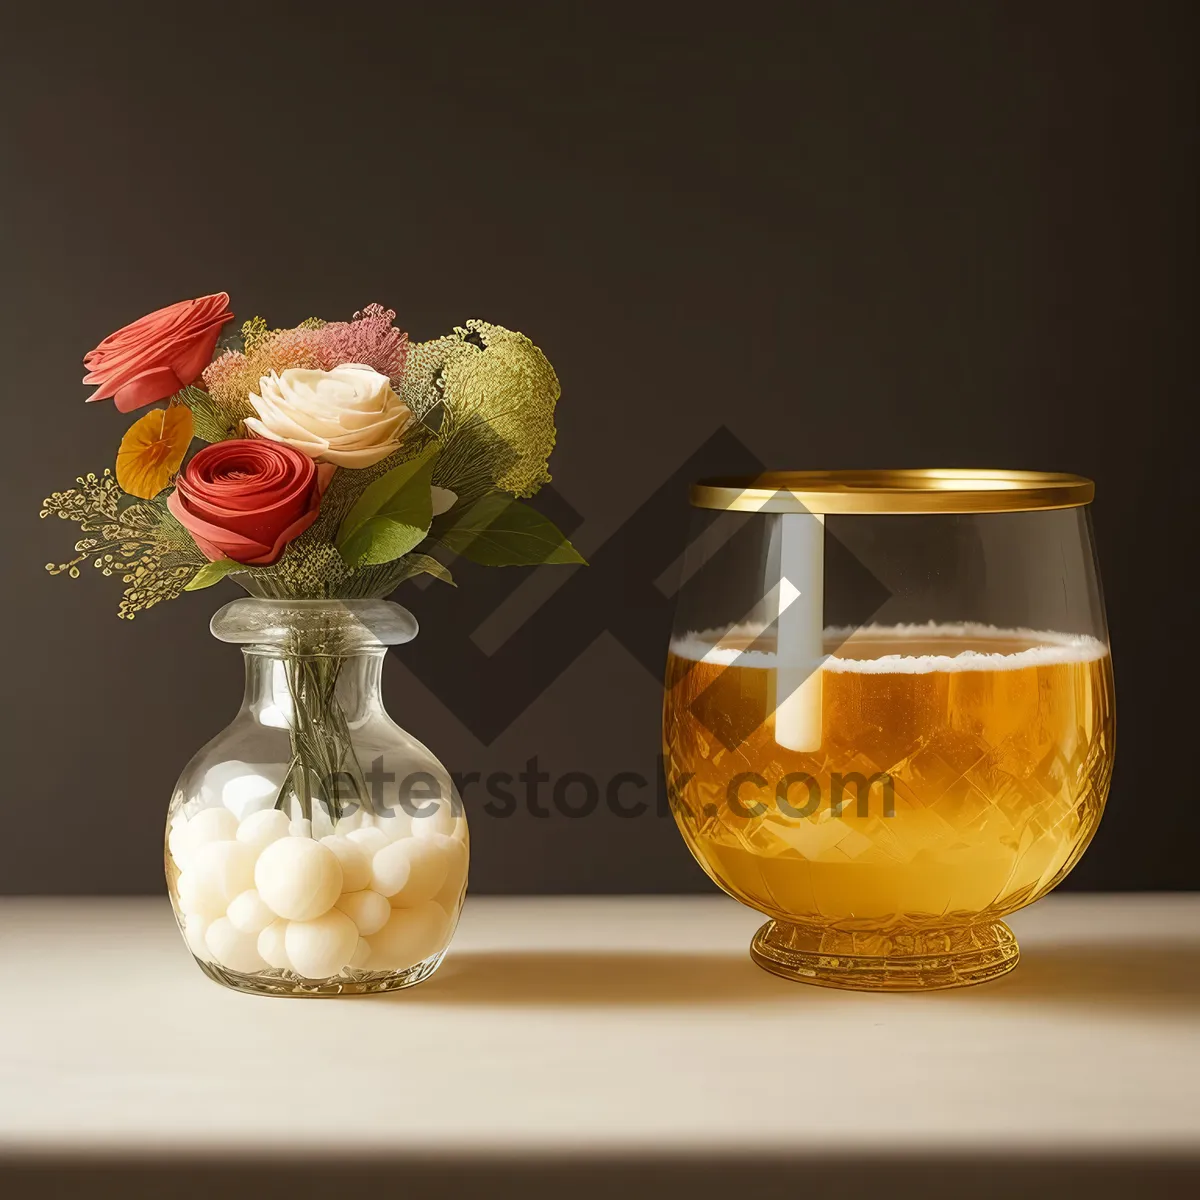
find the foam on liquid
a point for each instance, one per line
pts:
(724, 647)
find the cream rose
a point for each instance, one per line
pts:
(348, 416)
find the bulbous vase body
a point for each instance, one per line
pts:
(313, 847)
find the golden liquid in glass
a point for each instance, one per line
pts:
(998, 768)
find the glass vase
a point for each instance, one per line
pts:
(314, 848)
(889, 716)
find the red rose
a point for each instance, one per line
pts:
(156, 356)
(245, 499)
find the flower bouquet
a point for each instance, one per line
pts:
(337, 460)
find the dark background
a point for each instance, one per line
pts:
(857, 234)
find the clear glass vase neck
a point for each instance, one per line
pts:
(275, 680)
(308, 628)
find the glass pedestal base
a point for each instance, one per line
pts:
(886, 962)
(357, 983)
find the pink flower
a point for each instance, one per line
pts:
(370, 339)
(157, 355)
(245, 499)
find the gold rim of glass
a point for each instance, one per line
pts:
(901, 491)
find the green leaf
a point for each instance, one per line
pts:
(498, 531)
(402, 494)
(382, 540)
(210, 421)
(426, 564)
(211, 573)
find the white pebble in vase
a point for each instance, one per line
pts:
(367, 909)
(197, 898)
(249, 913)
(435, 817)
(260, 829)
(455, 853)
(248, 794)
(449, 894)
(418, 863)
(390, 869)
(210, 825)
(195, 928)
(232, 948)
(223, 870)
(272, 945)
(394, 823)
(321, 947)
(217, 776)
(298, 878)
(371, 840)
(177, 844)
(356, 862)
(411, 936)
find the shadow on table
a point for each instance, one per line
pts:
(1158, 979)
(1163, 977)
(599, 978)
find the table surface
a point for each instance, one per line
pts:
(602, 1027)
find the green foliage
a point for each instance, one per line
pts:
(391, 516)
(490, 394)
(212, 422)
(497, 531)
(211, 573)
(381, 540)
(135, 539)
(424, 564)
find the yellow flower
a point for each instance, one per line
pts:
(152, 450)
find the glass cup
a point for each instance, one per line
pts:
(888, 718)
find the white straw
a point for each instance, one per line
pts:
(798, 629)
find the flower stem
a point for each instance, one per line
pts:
(322, 751)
